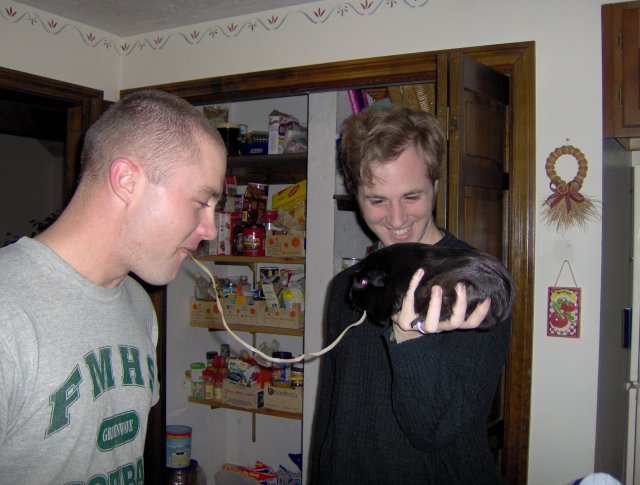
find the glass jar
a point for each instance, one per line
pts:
(192, 474)
(207, 377)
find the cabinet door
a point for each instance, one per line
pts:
(477, 185)
(621, 77)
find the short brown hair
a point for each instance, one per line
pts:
(381, 135)
(152, 126)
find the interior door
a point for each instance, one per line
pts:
(632, 461)
(477, 182)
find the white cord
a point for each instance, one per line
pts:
(299, 358)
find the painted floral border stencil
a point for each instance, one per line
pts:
(192, 35)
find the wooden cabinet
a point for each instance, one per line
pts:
(620, 73)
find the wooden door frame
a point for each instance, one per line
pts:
(518, 62)
(83, 106)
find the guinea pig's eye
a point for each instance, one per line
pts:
(364, 282)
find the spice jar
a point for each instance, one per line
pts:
(217, 386)
(197, 382)
(207, 377)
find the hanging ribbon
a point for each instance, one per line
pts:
(564, 308)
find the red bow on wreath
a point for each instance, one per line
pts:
(576, 208)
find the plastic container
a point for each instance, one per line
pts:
(197, 380)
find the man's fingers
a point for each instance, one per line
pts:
(432, 320)
(478, 315)
(413, 284)
(407, 312)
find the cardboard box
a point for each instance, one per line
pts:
(279, 123)
(283, 317)
(241, 314)
(287, 197)
(243, 373)
(292, 199)
(242, 396)
(288, 245)
(234, 314)
(202, 310)
(283, 398)
(261, 476)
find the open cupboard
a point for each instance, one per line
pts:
(224, 435)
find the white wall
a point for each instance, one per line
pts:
(38, 43)
(568, 109)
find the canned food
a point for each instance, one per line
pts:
(348, 262)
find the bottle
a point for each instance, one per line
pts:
(197, 382)
(225, 351)
(201, 291)
(217, 386)
(207, 377)
(244, 291)
(211, 354)
(270, 228)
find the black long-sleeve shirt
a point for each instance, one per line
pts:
(404, 413)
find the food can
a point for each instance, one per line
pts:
(178, 451)
(348, 262)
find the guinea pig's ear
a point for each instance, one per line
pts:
(377, 278)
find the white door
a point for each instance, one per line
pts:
(632, 475)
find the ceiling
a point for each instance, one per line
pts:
(126, 18)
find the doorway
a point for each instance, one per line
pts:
(516, 61)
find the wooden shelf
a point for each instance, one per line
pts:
(252, 259)
(214, 403)
(287, 168)
(295, 332)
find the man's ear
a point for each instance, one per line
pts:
(435, 186)
(123, 175)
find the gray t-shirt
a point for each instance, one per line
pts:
(78, 372)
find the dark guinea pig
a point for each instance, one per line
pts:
(383, 277)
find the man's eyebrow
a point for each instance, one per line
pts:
(210, 192)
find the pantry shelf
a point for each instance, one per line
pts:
(249, 328)
(252, 259)
(215, 403)
(287, 168)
